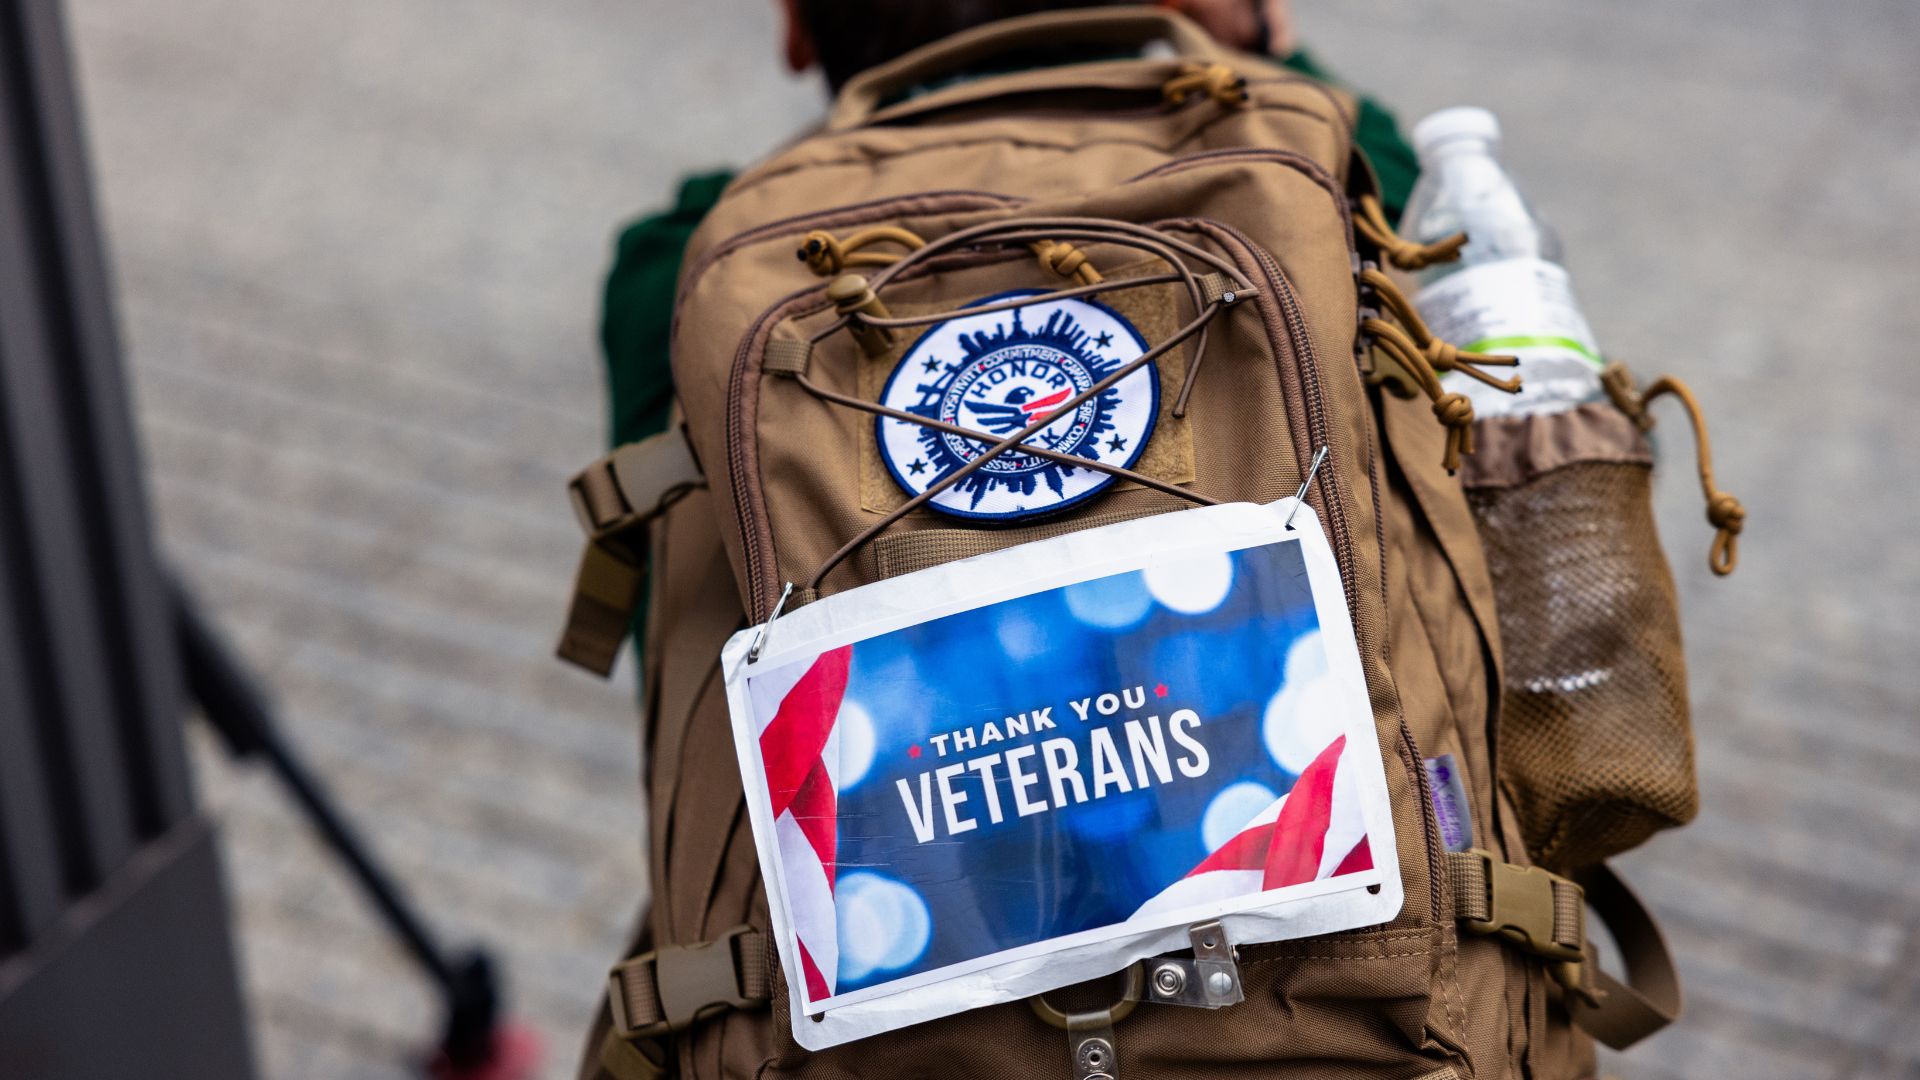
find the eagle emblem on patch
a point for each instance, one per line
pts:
(999, 372)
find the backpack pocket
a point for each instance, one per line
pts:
(1596, 750)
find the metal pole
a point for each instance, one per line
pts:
(235, 706)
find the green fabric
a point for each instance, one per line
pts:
(1378, 136)
(637, 316)
(636, 326)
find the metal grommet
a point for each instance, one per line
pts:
(1116, 1012)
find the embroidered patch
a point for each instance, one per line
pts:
(1001, 371)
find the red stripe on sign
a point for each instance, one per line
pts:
(813, 810)
(1246, 850)
(1360, 858)
(816, 982)
(791, 745)
(1300, 833)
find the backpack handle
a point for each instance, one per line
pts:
(863, 95)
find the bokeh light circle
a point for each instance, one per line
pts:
(1110, 603)
(1229, 811)
(884, 925)
(1192, 586)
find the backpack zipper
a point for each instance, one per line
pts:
(1314, 402)
(760, 586)
(1288, 324)
(836, 217)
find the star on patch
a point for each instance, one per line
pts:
(1116, 444)
(932, 364)
(1103, 340)
(914, 750)
(1159, 689)
(918, 466)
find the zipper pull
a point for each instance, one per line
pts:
(853, 298)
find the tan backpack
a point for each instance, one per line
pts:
(1519, 625)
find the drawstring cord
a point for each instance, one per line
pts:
(1404, 254)
(1443, 355)
(1409, 343)
(1452, 409)
(826, 256)
(1066, 260)
(1218, 81)
(1724, 512)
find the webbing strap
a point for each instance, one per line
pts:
(616, 498)
(1545, 914)
(671, 988)
(1650, 998)
(622, 1060)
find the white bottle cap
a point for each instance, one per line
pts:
(1448, 125)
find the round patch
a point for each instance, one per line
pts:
(1000, 372)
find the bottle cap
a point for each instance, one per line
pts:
(1448, 125)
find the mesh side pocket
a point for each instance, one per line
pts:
(1595, 746)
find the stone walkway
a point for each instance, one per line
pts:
(358, 246)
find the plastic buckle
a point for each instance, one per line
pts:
(1520, 907)
(690, 980)
(634, 484)
(598, 500)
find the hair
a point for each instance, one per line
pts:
(850, 36)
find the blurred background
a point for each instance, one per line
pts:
(357, 248)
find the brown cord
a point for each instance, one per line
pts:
(1442, 355)
(1024, 448)
(1452, 409)
(1066, 260)
(1010, 442)
(826, 255)
(1724, 512)
(1167, 248)
(1034, 233)
(1423, 356)
(1219, 82)
(1104, 286)
(1405, 254)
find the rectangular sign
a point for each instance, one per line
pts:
(1007, 774)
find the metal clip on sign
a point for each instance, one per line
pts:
(760, 639)
(1208, 981)
(1090, 1038)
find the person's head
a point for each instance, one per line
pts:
(846, 37)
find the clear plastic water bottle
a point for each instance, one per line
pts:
(1508, 293)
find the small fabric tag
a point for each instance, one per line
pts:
(1450, 807)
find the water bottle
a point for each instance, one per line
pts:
(1508, 293)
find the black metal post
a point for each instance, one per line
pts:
(236, 708)
(116, 954)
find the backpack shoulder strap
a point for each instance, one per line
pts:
(616, 499)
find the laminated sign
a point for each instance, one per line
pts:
(1008, 774)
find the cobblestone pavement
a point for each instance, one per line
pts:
(358, 246)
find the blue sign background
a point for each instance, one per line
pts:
(1080, 866)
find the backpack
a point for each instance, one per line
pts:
(1515, 617)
